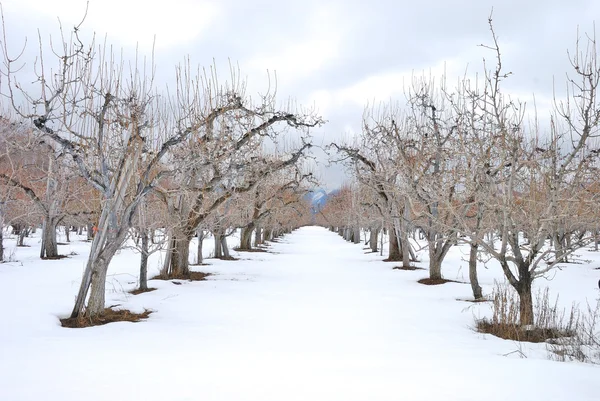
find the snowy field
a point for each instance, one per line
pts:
(318, 319)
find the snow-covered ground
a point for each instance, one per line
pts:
(316, 320)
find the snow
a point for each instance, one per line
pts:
(316, 319)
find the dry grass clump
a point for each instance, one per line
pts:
(550, 322)
(192, 276)
(108, 316)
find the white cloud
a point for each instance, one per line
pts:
(131, 22)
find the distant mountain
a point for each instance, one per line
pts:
(318, 198)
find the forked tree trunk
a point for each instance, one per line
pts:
(475, 287)
(180, 254)
(144, 260)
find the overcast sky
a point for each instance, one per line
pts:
(336, 55)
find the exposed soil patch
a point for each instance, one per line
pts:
(251, 250)
(138, 291)
(55, 257)
(227, 258)
(520, 333)
(62, 243)
(392, 260)
(193, 276)
(408, 268)
(108, 316)
(436, 281)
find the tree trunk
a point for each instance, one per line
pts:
(218, 248)
(373, 235)
(49, 248)
(246, 237)
(199, 257)
(475, 287)
(258, 236)
(90, 231)
(1, 242)
(22, 237)
(356, 235)
(96, 302)
(67, 234)
(225, 248)
(435, 267)
(180, 254)
(525, 303)
(144, 260)
(394, 247)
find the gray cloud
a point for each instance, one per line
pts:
(332, 49)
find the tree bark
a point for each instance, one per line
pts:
(246, 237)
(356, 235)
(180, 266)
(258, 236)
(394, 247)
(525, 303)
(144, 260)
(96, 302)
(435, 267)
(49, 248)
(225, 248)
(1, 242)
(199, 257)
(373, 235)
(218, 248)
(67, 234)
(475, 287)
(22, 236)
(90, 231)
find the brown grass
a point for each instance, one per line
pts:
(108, 316)
(250, 250)
(475, 301)
(519, 333)
(436, 281)
(58, 257)
(193, 276)
(549, 321)
(410, 268)
(138, 291)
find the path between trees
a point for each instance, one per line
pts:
(317, 320)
